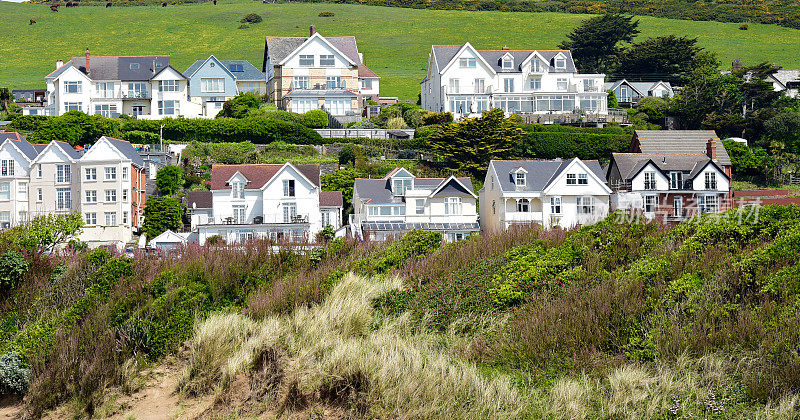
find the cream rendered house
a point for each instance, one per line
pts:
(54, 186)
(16, 156)
(544, 192)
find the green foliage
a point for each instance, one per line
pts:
(44, 233)
(14, 374)
(240, 105)
(257, 129)
(671, 57)
(595, 43)
(396, 123)
(169, 180)
(747, 161)
(552, 141)
(612, 99)
(316, 118)
(414, 117)
(342, 180)
(12, 267)
(141, 137)
(413, 244)
(74, 127)
(347, 156)
(161, 214)
(784, 129)
(221, 153)
(437, 118)
(655, 108)
(467, 146)
(252, 18)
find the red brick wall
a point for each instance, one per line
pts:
(138, 193)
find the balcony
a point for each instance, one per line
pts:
(524, 217)
(133, 94)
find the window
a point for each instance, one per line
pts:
(420, 206)
(708, 203)
(106, 110)
(366, 83)
(326, 61)
(711, 181)
(624, 94)
(650, 181)
(583, 179)
(111, 173)
(91, 219)
(585, 205)
(111, 196)
(237, 189)
(138, 90)
(519, 179)
(73, 106)
(124, 172)
(338, 106)
(39, 194)
(480, 86)
(212, 85)
(523, 205)
(73, 87)
(494, 207)
(168, 107)
(572, 179)
(555, 205)
(124, 217)
(22, 191)
(454, 86)
(452, 205)
(467, 63)
(536, 83)
(134, 66)
(508, 85)
(650, 203)
(104, 90)
(63, 198)
(508, 63)
(561, 84)
(239, 214)
(303, 105)
(91, 196)
(300, 82)
(333, 82)
(63, 173)
(5, 191)
(676, 180)
(400, 185)
(306, 61)
(561, 63)
(7, 167)
(677, 206)
(168, 85)
(111, 218)
(91, 174)
(289, 212)
(288, 188)
(588, 85)
(39, 171)
(125, 194)
(326, 219)
(236, 68)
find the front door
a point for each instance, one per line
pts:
(138, 110)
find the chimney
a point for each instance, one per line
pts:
(711, 149)
(505, 48)
(87, 61)
(59, 63)
(312, 30)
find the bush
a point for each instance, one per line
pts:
(141, 137)
(12, 267)
(396, 123)
(437, 118)
(414, 117)
(258, 130)
(550, 142)
(347, 156)
(744, 27)
(251, 18)
(316, 118)
(14, 374)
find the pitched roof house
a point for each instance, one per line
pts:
(213, 81)
(629, 94)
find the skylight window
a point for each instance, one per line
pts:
(134, 66)
(236, 67)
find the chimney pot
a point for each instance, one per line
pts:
(87, 61)
(59, 63)
(711, 149)
(312, 30)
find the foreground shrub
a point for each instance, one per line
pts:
(316, 118)
(12, 267)
(14, 374)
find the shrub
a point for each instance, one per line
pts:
(347, 156)
(12, 267)
(396, 123)
(437, 118)
(169, 180)
(141, 137)
(258, 130)
(251, 18)
(14, 374)
(161, 214)
(414, 117)
(744, 27)
(316, 118)
(326, 14)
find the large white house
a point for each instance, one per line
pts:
(106, 184)
(317, 72)
(464, 81)
(400, 202)
(143, 86)
(549, 193)
(280, 202)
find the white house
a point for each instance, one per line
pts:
(139, 86)
(169, 240)
(629, 94)
(16, 155)
(400, 202)
(549, 193)
(280, 202)
(317, 72)
(200, 206)
(464, 81)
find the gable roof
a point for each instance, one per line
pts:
(277, 48)
(640, 87)
(126, 149)
(330, 199)
(258, 174)
(364, 71)
(116, 67)
(691, 142)
(199, 199)
(379, 190)
(540, 173)
(249, 72)
(169, 67)
(17, 140)
(630, 164)
(444, 54)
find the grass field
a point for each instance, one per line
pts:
(395, 41)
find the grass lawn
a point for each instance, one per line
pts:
(395, 41)
(794, 190)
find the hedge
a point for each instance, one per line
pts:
(549, 142)
(257, 130)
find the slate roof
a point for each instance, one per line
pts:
(630, 164)
(249, 71)
(116, 67)
(257, 174)
(785, 76)
(26, 148)
(691, 142)
(445, 53)
(128, 150)
(539, 172)
(199, 199)
(69, 150)
(379, 190)
(364, 71)
(279, 47)
(641, 87)
(330, 199)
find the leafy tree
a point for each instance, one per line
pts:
(396, 123)
(784, 128)
(670, 58)
(160, 214)
(655, 108)
(746, 161)
(43, 233)
(12, 267)
(469, 145)
(169, 180)
(594, 44)
(240, 105)
(347, 156)
(343, 181)
(5, 97)
(316, 118)
(75, 127)
(612, 99)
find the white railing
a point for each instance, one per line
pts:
(520, 216)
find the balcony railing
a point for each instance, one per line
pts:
(524, 216)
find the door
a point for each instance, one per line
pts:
(138, 110)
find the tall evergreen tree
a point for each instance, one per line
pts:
(670, 58)
(595, 43)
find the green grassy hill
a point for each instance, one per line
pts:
(395, 41)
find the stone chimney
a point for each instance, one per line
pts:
(59, 63)
(312, 30)
(711, 149)
(505, 48)
(87, 61)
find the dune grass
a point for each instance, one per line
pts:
(395, 41)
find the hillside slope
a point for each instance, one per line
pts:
(395, 41)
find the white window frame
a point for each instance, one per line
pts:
(508, 85)
(5, 191)
(169, 107)
(7, 167)
(536, 83)
(586, 204)
(420, 206)
(583, 179)
(110, 173)
(91, 196)
(523, 205)
(239, 214)
(73, 86)
(169, 85)
(650, 203)
(304, 60)
(467, 63)
(650, 181)
(711, 181)
(110, 218)
(327, 60)
(561, 84)
(90, 218)
(63, 174)
(289, 188)
(572, 179)
(300, 82)
(555, 205)
(212, 85)
(455, 86)
(63, 198)
(90, 173)
(111, 196)
(289, 211)
(452, 206)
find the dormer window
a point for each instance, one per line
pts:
(401, 185)
(520, 179)
(237, 189)
(467, 63)
(537, 66)
(134, 66)
(508, 62)
(561, 63)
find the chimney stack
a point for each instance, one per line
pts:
(711, 149)
(59, 63)
(87, 61)
(312, 30)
